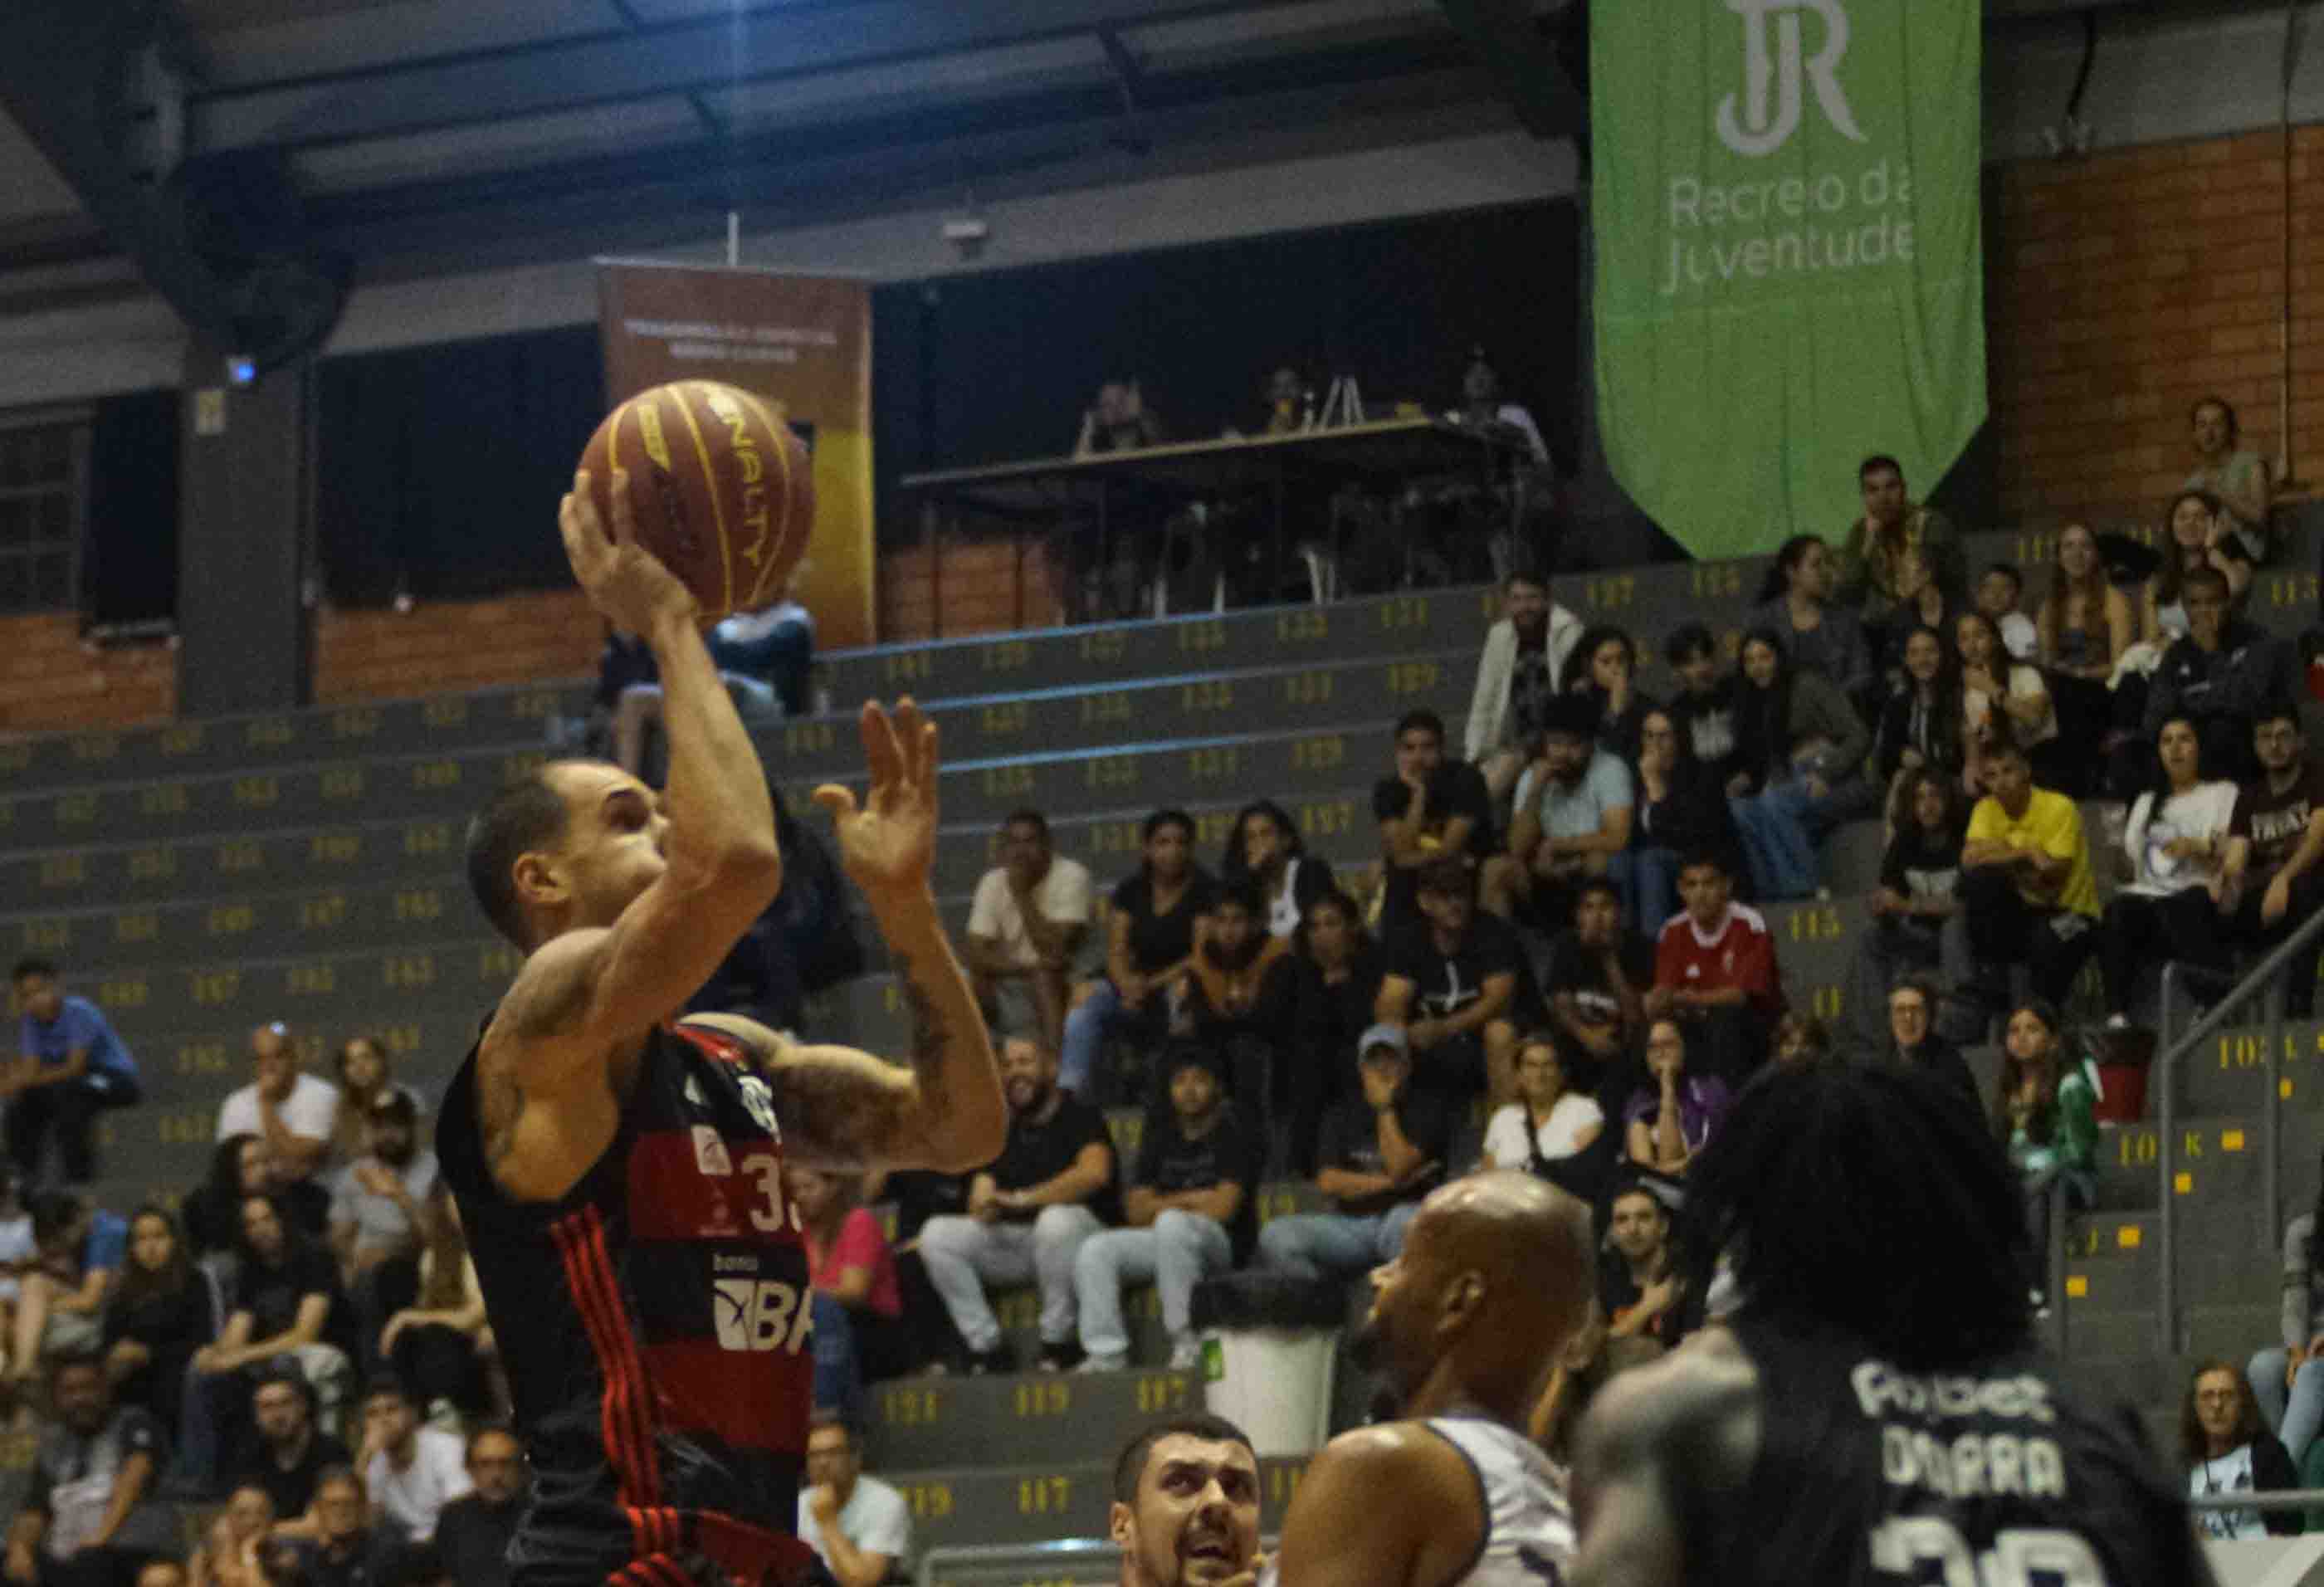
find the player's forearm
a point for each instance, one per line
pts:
(964, 1118)
(721, 814)
(851, 1565)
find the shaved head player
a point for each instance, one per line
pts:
(621, 1176)
(1467, 1320)
(1872, 1409)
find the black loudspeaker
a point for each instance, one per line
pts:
(240, 216)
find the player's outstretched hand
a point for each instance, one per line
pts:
(628, 584)
(888, 844)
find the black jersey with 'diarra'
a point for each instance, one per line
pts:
(1992, 1475)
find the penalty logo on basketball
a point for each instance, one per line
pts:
(759, 1315)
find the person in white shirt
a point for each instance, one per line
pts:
(1547, 1124)
(1517, 678)
(860, 1525)
(2174, 852)
(295, 1113)
(410, 1471)
(1026, 929)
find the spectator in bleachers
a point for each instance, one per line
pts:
(1672, 1117)
(1800, 1039)
(2236, 476)
(1228, 1016)
(1053, 1186)
(1803, 746)
(1639, 1287)
(163, 1308)
(1914, 1042)
(365, 1075)
(1483, 407)
(627, 700)
(860, 1525)
(2222, 674)
(914, 1197)
(375, 1226)
(475, 1530)
(1715, 971)
(1682, 807)
(2227, 1449)
(69, 1067)
(2084, 626)
(2000, 596)
(2028, 894)
(286, 1301)
(1603, 671)
(1334, 979)
(82, 1248)
(2174, 854)
(1796, 600)
(291, 1453)
(1927, 604)
(1433, 808)
(442, 1345)
(225, 1556)
(347, 1547)
(296, 1113)
(1382, 1151)
(767, 656)
(241, 1166)
(2271, 878)
(1595, 984)
(2196, 538)
(2005, 698)
(2045, 1116)
(18, 1249)
(1190, 1210)
(859, 1334)
(1157, 917)
(1704, 706)
(1548, 1129)
(1118, 422)
(1264, 849)
(409, 1471)
(1921, 723)
(1875, 573)
(1575, 808)
(1518, 676)
(2287, 1381)
(1455, 991)
(1025, 928)
(89, 1517)
(1917, 904)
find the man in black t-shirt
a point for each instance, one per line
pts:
(1051, 1187)
(1639, 1287)
(292, 1453)
(1381, 1151)
(1190, 1214)
(2272, 881)
(1598, 974)
(89, 1516)
(1433, 808)
(1455, 987)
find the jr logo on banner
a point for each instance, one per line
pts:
(1789, 256)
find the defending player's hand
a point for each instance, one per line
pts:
(889, 844)
(626, 583)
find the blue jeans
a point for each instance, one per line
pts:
(1085, 1032)
(2296, 1417)
(1655, 880)
(1181, 1250)
(1780, 825)
(1316, 1245)
(838, 1375)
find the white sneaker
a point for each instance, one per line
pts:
(1103, 1363)
(1186, 1355)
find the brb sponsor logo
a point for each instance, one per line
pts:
(759, 1315)
(1776, 72)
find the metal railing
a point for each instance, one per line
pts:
(2261, 981)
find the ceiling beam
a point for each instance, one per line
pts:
(1510, 45)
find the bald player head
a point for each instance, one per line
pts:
(1493, 1278)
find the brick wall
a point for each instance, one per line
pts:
(52, 681)
(2123, 287)
(436, 647)
(983, 586)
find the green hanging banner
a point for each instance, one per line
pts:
(1789, 266)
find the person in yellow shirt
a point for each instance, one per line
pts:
(2026, 888)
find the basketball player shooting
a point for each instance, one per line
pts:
(1873, 1409)
(1467, 1322)
(621, 1175)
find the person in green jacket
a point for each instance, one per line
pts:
(2045, 1113)
(1872, 573)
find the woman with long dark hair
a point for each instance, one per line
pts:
(2174, 847)
(1329, 980)
(859, 1334)
(1681, 810)
(2007, 700)
(1603, 667)
(1921, 723)
(1796, 600)
(1264, 848)
(1155, 920)
(1803, 748)
(241, 1166)
(2195, 534)
(2045, 1117)
(1916, 906)
(160, 1310)
(367, 1074)
(2227, 1449)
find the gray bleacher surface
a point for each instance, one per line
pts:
(199, 878)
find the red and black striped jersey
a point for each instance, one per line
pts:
(654, 1325)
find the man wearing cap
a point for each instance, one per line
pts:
(1189, 1209)
(1378, 1153)
(375, 1225)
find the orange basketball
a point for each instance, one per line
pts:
(720, 489)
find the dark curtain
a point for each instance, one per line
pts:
(440, 467)
(129, 542)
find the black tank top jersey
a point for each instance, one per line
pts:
(1869, 1475)
(654, 1325)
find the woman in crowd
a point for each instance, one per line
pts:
(162, 1310)
(1604, 668)
(2002, 699)
(1264, 848)
(1803, 747)
(2288, 1380)
(1230, 1017)
(2228, 1450)
(1151, 932)
(1915, 905)
(1547, 1130)
(1927, 604)
(441, 1345)
(859, 1333)
(1330, 981)
(2084, 624)
(1704, 706)
(365, 1076)
(1796, 600)
(1681, 810)
(2195, 534)
(2235, 474)
(1921, 722)
(2045, 1116)
(1675, 1114)
(2173, 847)
(228, 1555)
(240, 1167)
